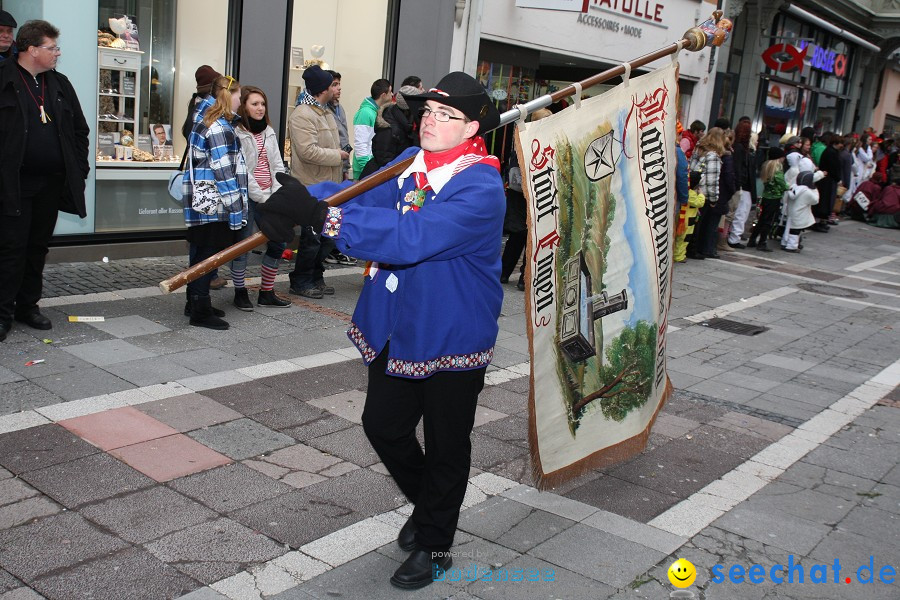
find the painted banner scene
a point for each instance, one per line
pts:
(600, 189)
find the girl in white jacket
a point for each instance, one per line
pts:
(799, 200)
(259, 145)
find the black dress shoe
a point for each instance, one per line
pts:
(407, 537)
(739, 245)
(695, 256)
(4, 329)
(35, 320)
(419, 569)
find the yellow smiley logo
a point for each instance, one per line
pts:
(682, 573)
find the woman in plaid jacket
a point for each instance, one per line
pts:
(215, 155)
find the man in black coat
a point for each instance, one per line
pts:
(830, 162)
(43, 167)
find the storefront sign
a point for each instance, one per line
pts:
(788, 58)
(610, 25)
(823, 59)
(642, 9)
(784, 57)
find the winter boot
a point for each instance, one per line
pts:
(268, 298)
(242, 299)
(187, 309)
(202, 314)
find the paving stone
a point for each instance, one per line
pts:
(503, 400)
(723, 391)
(188, 412)
(362, 490)
(206, 361)
(728, 441)
(680, 467)
(774, 527)
(37, 447)
(147, 371)
(19, 396)
(166, 458)
(347, 405)
(22, 593)
(623, 498)
(510, 524)
(115, 428)
(302, 479)
(539, 579)
(8, 582)
(148, 514)
(229, 488)
(297, 518)
(108, 352)
(611, 560)
(317, 428)
(250, 398)
(290, 415)
(129, 326)
(167, 342)
(212, 551)
(83, 383)
(56, 360)
(513, 430)
(369, 573)
(303, 458)
(204, 593)
(321, 381)
(133, 573)
(240, 439)
(488, 451)
(24, 511)
(860, 465)
(752, 426)
(86, 480)
(7, 376)
(349, 444)
(807, 504)
(13, 490)
(34, 549)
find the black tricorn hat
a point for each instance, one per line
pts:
(463, 93)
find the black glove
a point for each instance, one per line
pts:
(291, 205)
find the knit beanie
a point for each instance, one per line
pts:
(205, 76)
(775, 153)
(317, 80)
(406, 90)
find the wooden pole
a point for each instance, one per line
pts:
(693, 40)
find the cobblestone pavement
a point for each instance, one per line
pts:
(145, 458)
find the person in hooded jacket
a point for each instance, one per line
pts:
(802, 196)
(394, 131)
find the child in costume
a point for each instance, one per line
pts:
(688, 217)
(802, 195)
(772, 175)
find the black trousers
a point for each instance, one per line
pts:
(434, 480)
(511, 253)
(771, 207)
(309, 267)
(24, 243)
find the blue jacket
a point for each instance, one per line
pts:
(681, 176)
(216, 155)
(436, 294)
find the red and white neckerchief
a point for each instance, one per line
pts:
(432, 170)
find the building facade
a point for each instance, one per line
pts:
(803, 64)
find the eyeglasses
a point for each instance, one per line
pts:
(52, 49)
(440, 115)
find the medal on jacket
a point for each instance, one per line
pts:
(45, 118)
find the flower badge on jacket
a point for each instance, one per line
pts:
(414, 200)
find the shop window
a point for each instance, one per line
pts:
(150, 29)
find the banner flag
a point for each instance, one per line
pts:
(599, 179)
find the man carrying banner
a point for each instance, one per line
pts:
(426, 320)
